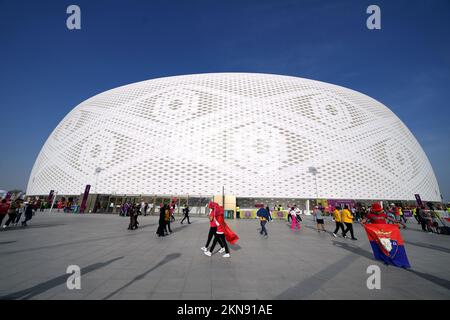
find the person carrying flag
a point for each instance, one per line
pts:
(385, 239)
(376, 215)
(223, 233)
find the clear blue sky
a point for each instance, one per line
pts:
(46, 70)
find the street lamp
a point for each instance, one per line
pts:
(97, 172)
(313, 171)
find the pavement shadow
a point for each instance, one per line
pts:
(45, 286)
(436, 280)
(76, 242)
(306, 287)
(177, 228)
(429, 246)
(166, 259)
(33, 226)
(235, 247)
(353, 249)
(7, 242)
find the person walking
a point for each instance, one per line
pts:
(162, 221)
(402, 216)
(59, 205)
(12, 213)
(219, 221)
(376, 215)
(414, 213)
(186, 214)
(167, 218)
(347, 218)
(20, 211)
(212, 232)
(4, 207)
(132, 214)
(289, 215)
(318, 214)
(295, 223)
(338, 221)
(264, 217)
(28, 213)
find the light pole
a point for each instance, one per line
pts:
(53, 201)
(313, 171)
(97, 172)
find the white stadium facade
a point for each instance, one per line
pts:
(257, 135)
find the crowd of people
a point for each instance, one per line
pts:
(15, 209)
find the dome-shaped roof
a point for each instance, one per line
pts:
(256, 134)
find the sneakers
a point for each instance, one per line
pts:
(204, 249)
(222, 250)
(334, 235)
(207, 253)
(354, 239)
(226, 255)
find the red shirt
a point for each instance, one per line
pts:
(375, 218)
(4, 207)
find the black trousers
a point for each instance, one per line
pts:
(423, 223)
(11, 218)
(2, 216)
(161, 228)
(263, 227)
(212, 232)
(186, 216)
(222, 241)
(349, 228)
(289, 217)
(168, 226)
(339, 225)
(18, 217)
(27, 218)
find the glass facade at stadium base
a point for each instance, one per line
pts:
(241, 208)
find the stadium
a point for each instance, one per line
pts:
(258, 138)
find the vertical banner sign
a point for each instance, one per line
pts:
(85, 196)
(50, 196)
(418, 200)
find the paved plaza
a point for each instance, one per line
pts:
(117, 263)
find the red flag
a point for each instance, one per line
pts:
(387, 244)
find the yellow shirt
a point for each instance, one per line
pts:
(337, 215)
(347, 216)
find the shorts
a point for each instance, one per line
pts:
(319, 221)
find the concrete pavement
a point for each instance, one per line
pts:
(117, 263)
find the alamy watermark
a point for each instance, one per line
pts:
(374, 280)
(374, 20)
(73, 21)
(74, 280)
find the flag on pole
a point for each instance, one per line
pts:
(387, 244)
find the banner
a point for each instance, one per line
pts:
(85, 196)
(418, 200)
(387, 244)
(50, 196)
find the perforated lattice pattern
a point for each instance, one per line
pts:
(255, 134)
